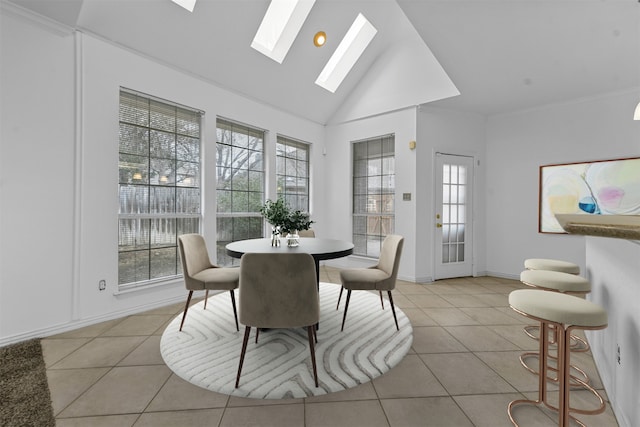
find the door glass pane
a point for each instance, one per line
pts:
(453, 218)
(454, 174)
(453, 212)
(454, 194)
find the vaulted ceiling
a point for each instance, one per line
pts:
(500, 55)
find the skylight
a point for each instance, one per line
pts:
(345, 56)
(187, 4)
(280, 27)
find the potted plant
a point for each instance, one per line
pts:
(296, 221)
(284, 220)
(276, 214)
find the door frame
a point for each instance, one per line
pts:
(435, 204)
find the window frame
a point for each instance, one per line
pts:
(172, 201)
(284, 162)
(372, 209)
(251, 220)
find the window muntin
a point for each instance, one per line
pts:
(373, 194)
(239, 185)
(159, 186)
(292, 172)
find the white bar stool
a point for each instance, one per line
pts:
(551, 265)
(565, 313)
(557, 282)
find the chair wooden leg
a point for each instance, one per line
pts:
(257, 334)
(235, 312)
(247, 331)
(339, 297)
(381, 300)
(206, 298)
(315, 334)
(311, 333)
(346, 306)
(394, 310)
(186, 307)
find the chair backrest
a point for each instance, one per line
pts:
(194, 257)
(278, 290)
(390, 253)
(307, 233)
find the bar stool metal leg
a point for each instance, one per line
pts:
(561, 308)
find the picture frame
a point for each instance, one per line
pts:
(600, 187)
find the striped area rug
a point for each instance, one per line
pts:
(207, 351)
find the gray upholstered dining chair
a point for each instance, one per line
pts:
(278, 291)
(307, 233)
(199, 274)
(380, 277)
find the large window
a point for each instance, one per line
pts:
(159, 186)
(292, 172)
(240, 185)
(373, 194)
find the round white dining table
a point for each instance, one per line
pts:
(319, 248)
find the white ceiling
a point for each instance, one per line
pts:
(502, 55)
(506, 55)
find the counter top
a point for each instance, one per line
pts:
(617, 226)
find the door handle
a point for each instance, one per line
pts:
(438, 225)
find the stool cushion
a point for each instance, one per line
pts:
(551, 265)
(556, 307)
(561, 282)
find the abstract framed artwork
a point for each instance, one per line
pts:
(602, 187)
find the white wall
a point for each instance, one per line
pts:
(406, 74)
(339, 184)
(36, 175)
(39, 221)
(434, 131)
(519, 143)
(449, 133)
(613, 270)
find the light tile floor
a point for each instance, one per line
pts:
(462, 370)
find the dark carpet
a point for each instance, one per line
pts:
(24, 391)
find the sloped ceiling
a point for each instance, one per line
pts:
(507, 55)
(501, 55)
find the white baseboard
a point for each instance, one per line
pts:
(502, 275)
(70, 326)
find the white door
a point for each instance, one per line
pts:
(453, 217)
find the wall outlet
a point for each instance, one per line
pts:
(102, 285)
(618, 354)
